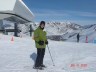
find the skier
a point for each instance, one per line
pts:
(78, 36)
(40, 42)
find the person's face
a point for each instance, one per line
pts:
(42, 25)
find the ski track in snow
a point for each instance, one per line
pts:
(18, 56)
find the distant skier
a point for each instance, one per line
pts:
(78, 36)
(40, 42)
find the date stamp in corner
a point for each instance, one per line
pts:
(81, 66)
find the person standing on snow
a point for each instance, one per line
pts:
(40, 42)
(78, 36)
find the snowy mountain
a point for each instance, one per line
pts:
(89, 31)
(60, 31)
(57, 31)
(59, 28)
(89, 26)
(67, 31)
(19, 56)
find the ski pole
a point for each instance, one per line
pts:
(50, 55)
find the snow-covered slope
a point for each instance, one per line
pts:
(89, 31)
(19, 56)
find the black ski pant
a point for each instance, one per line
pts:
(40, 56)
(77, 39)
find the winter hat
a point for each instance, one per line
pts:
(42, 22)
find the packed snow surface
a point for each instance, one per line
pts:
(19, 56)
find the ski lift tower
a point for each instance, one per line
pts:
(15, 11)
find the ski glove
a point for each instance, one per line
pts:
(41, 42)
(46, 42)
